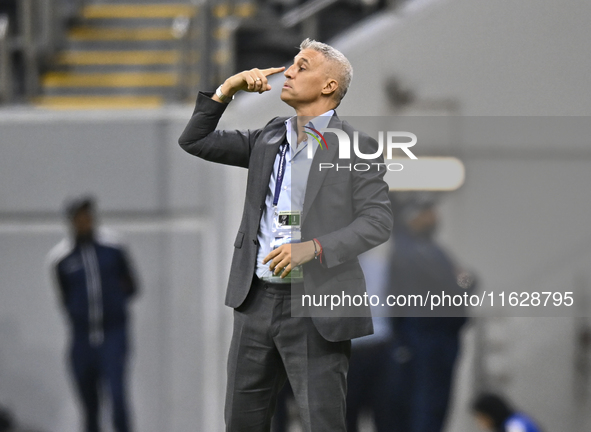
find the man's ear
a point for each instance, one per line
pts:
(330, 87)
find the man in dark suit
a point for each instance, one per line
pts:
(302, 229)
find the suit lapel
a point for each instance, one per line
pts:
(269, 155)
(316, 177)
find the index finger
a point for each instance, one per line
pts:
(272, 71)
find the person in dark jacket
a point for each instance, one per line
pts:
(426, 344)
(494, 414)
(94, 280)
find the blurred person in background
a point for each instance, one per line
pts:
(495, 414)
(6, 421)
(94, 279)
(369, 389)
(425, 347)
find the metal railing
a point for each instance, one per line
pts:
(40, 32)
(207, 43)
(226, 47)
(40, 23)
(227, 18)
(190, 31)
(307, 16)
(212, 35)
(181, 30)
(5, 62)
(28, 45)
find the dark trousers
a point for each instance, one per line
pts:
(424, 354)
(93, 366)
(269, 346)
(368, 385)
(281, 417)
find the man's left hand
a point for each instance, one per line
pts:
(287, 256)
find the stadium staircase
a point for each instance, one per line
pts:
(117, 56)
(134, 55)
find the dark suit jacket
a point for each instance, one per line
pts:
(347, 211)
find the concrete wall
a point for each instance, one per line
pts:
(519, 220)
(159, 199)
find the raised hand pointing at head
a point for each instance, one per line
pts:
(253, 80)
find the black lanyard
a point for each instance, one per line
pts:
(280, 173)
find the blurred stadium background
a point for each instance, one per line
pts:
(95, 94)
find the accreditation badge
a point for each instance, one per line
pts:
(287, 229)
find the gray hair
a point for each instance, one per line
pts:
(344, 68)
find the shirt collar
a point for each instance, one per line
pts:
(320, 122)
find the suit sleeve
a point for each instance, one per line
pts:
(372, 222)
(200, 137)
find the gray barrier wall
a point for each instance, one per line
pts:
(160, 199)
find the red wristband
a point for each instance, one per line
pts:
(319, 254)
